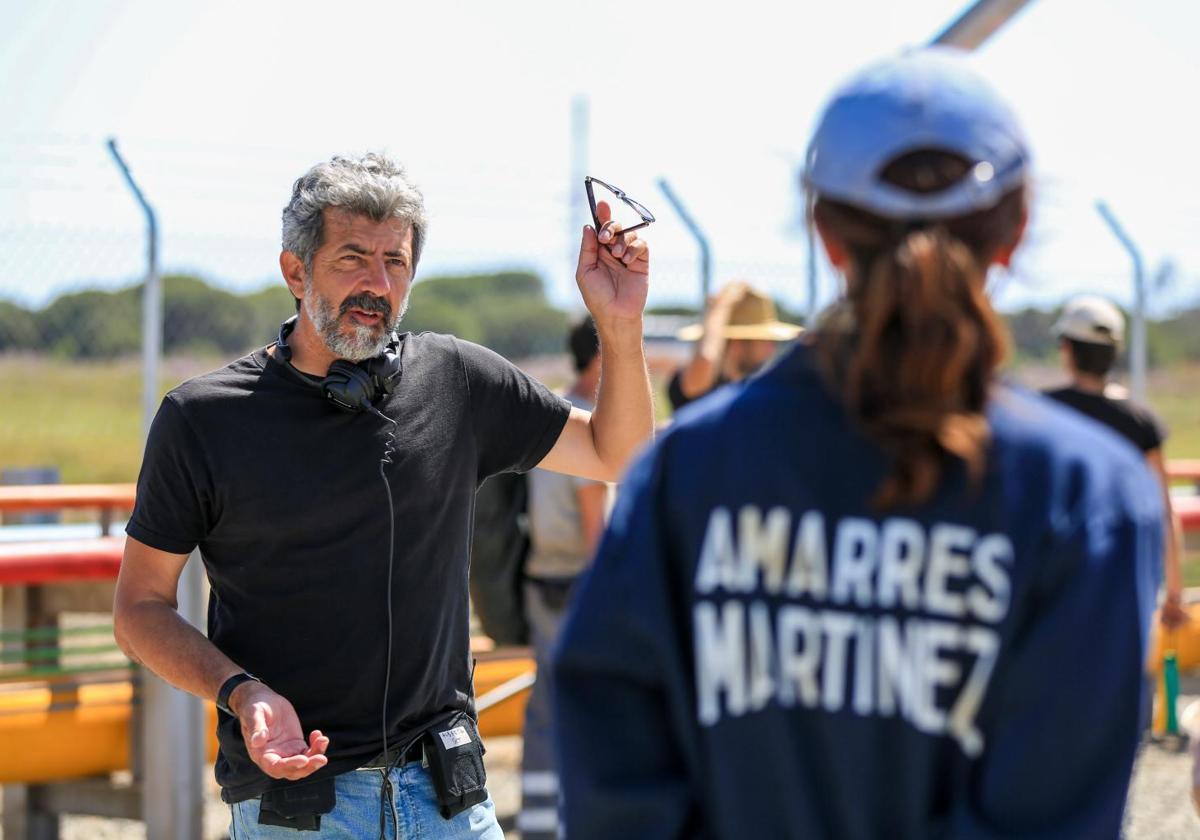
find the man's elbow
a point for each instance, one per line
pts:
(128, 617)
(613, 469)
(121, 633)
(610, 474)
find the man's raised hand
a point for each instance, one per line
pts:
(613, 272)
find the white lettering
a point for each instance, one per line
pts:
(948, 545)
(810, 559)
(897, 665)
(762, 546)
(930, 667)
(798, 664)
(991, 555)
(720, 660)
(985, 644)
(837, 627)
(717, 558)
(762, 657)
(854, 557)
(901, 556)
(935, 673)
(864, 666)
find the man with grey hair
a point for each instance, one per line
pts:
(343, 595)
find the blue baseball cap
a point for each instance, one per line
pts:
(925, 99)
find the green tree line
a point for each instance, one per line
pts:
(507, 311)
(1169, 340)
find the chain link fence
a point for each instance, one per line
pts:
(73, 257)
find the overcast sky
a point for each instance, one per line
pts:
(220, 105)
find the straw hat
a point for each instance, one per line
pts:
(753, 317)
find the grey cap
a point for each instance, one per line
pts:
(1092, 320)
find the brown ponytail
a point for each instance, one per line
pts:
(913, 349)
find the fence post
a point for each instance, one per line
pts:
(170, 744)
(1137, 339)
(701, 240)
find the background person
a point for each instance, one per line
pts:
(873, 592)
(741, 332)
(322, 646)
(566, 518)
(1090, 333)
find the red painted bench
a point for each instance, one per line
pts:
(1188, 508)
(60, 561)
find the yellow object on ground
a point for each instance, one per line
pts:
(51, 732)
(1185, 642)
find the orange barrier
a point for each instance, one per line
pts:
(60, 728)
(29, 497)
(43, 742)
(1184, 470)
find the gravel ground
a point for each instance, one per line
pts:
(1160, 797)
(1160, 803)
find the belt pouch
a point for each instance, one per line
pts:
(454, 751)
(298, 806)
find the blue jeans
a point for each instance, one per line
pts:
(411, 813)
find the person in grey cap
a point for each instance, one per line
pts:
(872, 591)
(1090, 332)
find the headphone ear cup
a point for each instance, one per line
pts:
(348, 386)
(384, 371)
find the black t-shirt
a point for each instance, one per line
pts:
(283, 495)
(675, 390)
(1136, 423)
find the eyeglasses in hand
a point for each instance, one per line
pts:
(646, 216)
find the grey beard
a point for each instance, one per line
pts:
(361, 342)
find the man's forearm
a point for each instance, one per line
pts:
(1173, 566)
(156, 636)
(624, 417)
(699, 376)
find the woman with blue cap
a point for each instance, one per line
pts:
(873, 592)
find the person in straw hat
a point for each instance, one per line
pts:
(740, 334)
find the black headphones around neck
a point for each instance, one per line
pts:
(351, 386)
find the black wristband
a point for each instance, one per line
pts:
(227, 688)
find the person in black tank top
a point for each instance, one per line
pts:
(1090, 332)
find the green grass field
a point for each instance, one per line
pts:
(1175, 395)
(85, 418)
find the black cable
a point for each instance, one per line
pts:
(388, 446)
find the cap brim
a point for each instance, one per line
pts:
(1086, 336)
(770, 331)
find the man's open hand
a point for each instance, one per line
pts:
(274, 737)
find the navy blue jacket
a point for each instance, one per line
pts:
(760, 653)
